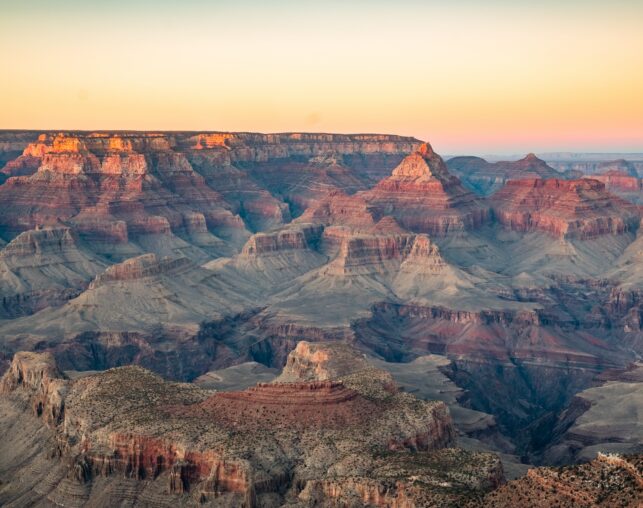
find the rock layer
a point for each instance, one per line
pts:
(564, 208)
(424, 198)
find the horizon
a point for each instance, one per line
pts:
(471, 77)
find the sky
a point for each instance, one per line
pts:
(469, 76)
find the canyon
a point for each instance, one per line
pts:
(166, 281)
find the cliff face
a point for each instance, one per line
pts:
(42, 268)
(284, 441)
(119, 186)
(37, 375)
(113, 187)
(565, 208)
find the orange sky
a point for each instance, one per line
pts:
(477, 77)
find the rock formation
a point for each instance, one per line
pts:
(192, 252)
(485, 178)
(621, 180)
(563, 208)
(113, 187)
(355, 437)
(42, 268)
(424, 198)
(595, 163)
(604, 419)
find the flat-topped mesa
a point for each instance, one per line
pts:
(147, 265)
(38, 242)
(258, 447)
(362, 253)
(294, 394)
(424, 198)
(302, 405)
(565, 208)
(292, 238)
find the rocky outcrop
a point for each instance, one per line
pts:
(147, 265)
(623, 182)
(288, 239)
(601, 419)
(42, 268)
(366, 254)
(339, 209)
(564, 208)
(596, 163)
(321, 361)
(37, 375)
(609, 480)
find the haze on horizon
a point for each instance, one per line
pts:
(468, 76)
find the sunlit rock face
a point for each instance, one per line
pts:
(565, 208)
(113, 187)
(424, 198)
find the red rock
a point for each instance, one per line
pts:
(424, 198)
(574, 208)
(113, 187)
(622, 183)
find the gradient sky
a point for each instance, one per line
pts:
(469, 76)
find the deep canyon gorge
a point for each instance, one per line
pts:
(305, 319)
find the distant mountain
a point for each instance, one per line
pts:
(485, 178)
